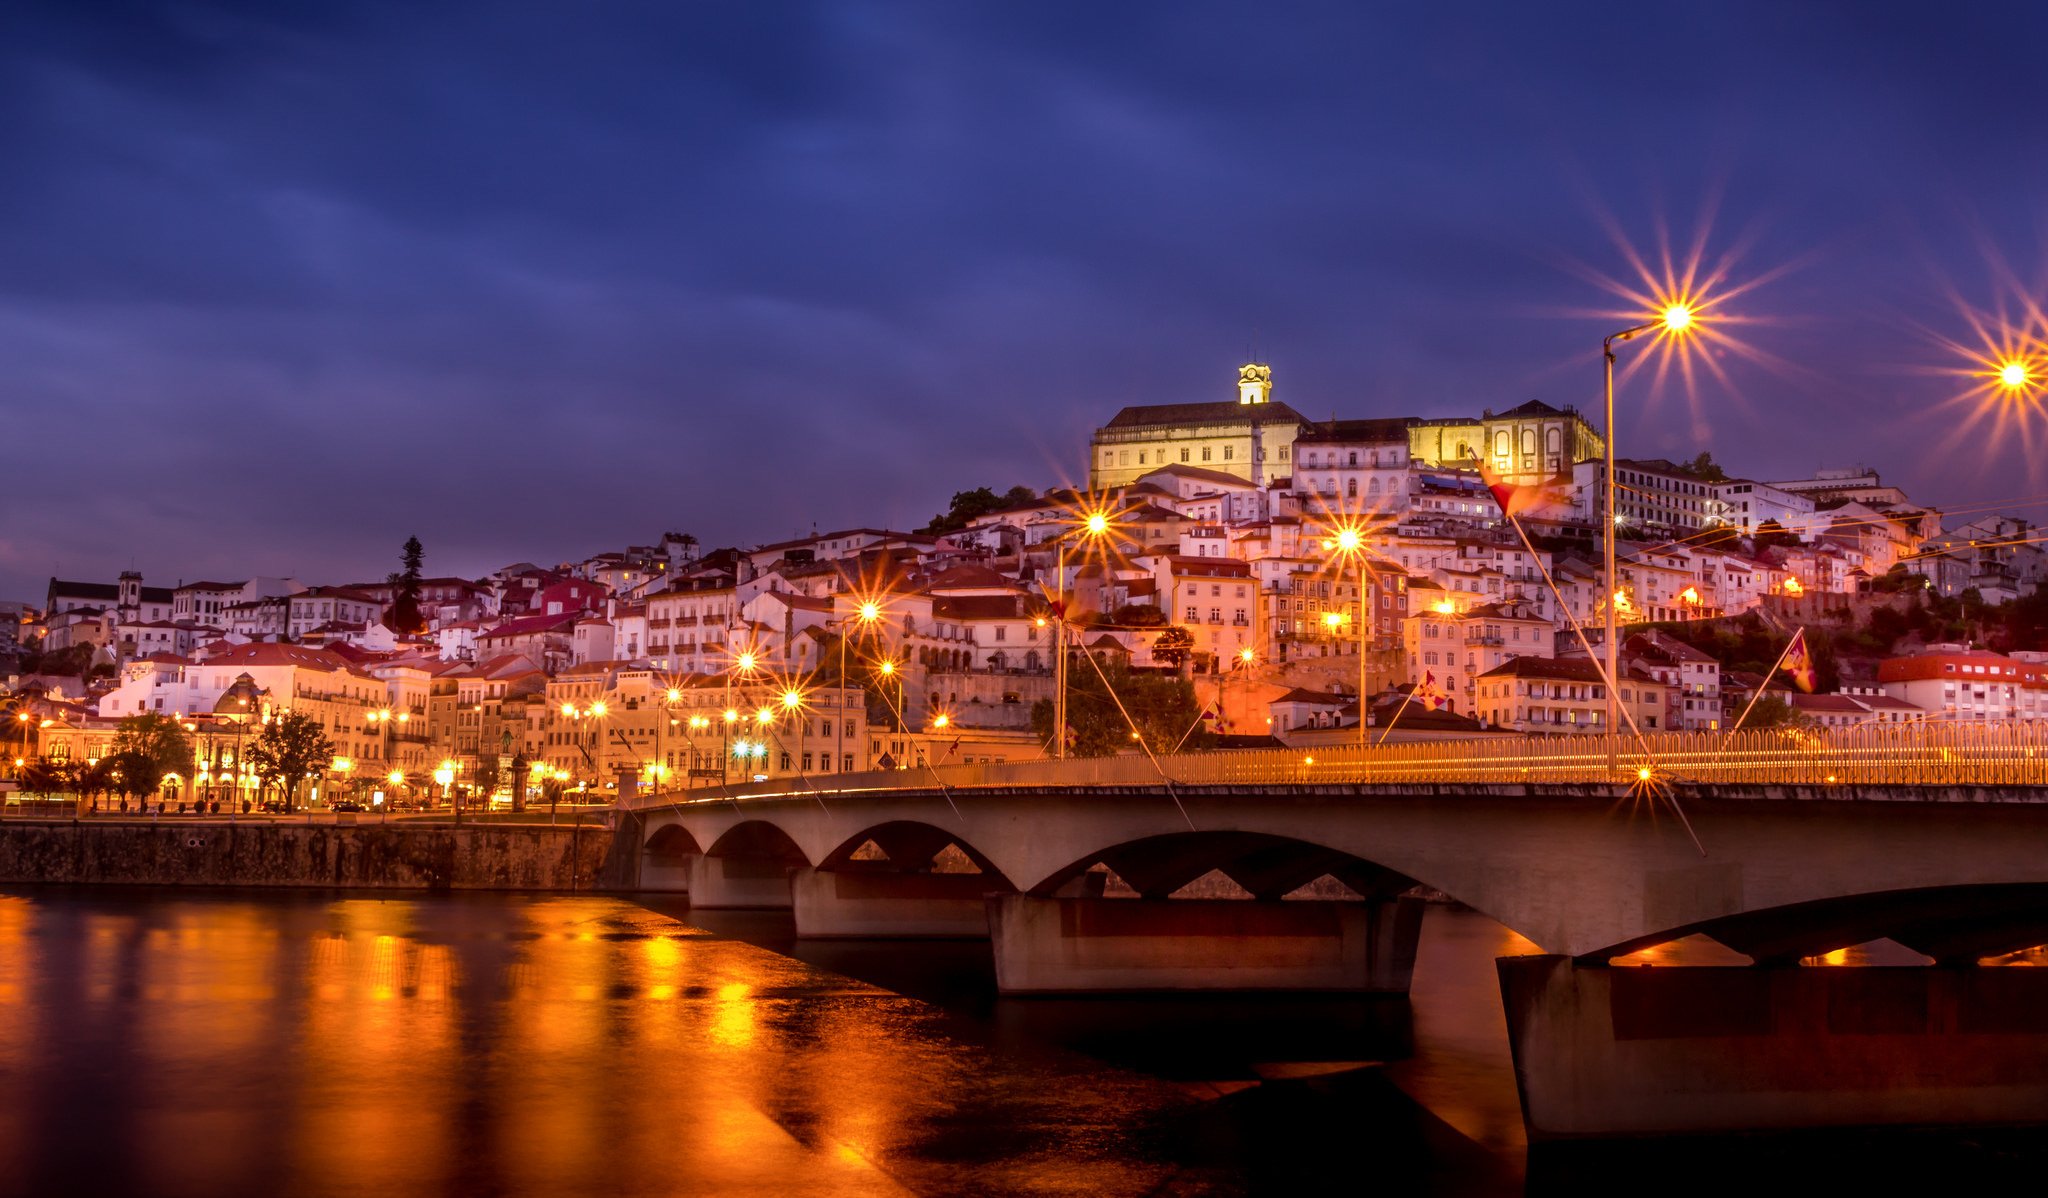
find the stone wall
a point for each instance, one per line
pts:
(383, 856)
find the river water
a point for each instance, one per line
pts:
(266, 1043)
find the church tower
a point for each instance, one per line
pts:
(1254, 383)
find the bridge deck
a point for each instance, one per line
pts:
(1921, 755)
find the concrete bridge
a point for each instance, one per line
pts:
(1936, 838)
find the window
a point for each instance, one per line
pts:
(1183, 454)
(1205, 453)
(1226, 452)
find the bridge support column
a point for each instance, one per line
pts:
(726, 882)
(854, 904)
(1607, 1052)
(665, 872)
(1080, 946)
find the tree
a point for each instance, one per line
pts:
(1704, 468)
(45, 778)
(1163, 706)
(71, 661)
(146, 747)
(290, 749)
(968, 506)
(1771, 533)
(404, 615)
(93, 779)
(1138, 615)
(134, 774)
(1773, 712)
(1173, 646)
(487, 776)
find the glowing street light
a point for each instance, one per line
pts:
(1347, 543)
(1677, 316)
(1095, 524)
(2014, 374)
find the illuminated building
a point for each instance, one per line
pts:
(1251, 437)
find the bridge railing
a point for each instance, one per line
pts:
(2006, 754)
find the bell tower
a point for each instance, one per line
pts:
(1254, 383)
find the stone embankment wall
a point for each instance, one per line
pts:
(382, 856)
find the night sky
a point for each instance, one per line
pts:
(281, 284)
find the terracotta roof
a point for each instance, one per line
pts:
(531, 625)
(968, 576)
(1220, 412)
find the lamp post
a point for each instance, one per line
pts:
(446, 777)
(793, 705)
(1675, 319)
(669, 699)
(866, 614)
(744, 663)
(1094, 525)
(1349, 542)
(1246, 658)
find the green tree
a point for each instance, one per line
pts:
(45, 778)
(1138, 615)
(1704, 468)
(1173, 647)
(71, 661)
(404, 615)
(1773, 712)
(971, 505)
(1163, 706)
(146, 747)
(93, 779)
(1769, 534)
(290, 749)
(487, 776)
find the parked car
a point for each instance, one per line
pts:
(346, 805)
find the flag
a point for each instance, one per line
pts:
(1513, 499)
(1208, 716)
(1429, 694)
(1798, 662)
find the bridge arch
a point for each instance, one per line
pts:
(911, 846)
(671, 841)
(1954, 925)
(758, 839)
(1265, 865)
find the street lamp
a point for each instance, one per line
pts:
(1676, 318)
(1094, 524)
(1246, 659)
(1349, 543)
(866, 615)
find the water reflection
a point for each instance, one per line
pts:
(279, 1044)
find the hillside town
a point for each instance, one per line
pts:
(1202, 550)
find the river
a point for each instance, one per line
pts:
(271, 1043)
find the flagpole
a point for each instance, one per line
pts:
(1392, 720)
(1761, 687)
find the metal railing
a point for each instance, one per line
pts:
(2011, 754)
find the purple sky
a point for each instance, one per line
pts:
(281, 284)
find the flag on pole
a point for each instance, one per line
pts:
(1514, 499)
(1429, 694)
(1799, 662)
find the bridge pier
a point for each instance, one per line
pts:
(717, 883)
(888, 904)
(665, 872)
(1608, 1052)
(1107, 946)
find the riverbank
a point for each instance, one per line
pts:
(177, 851)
